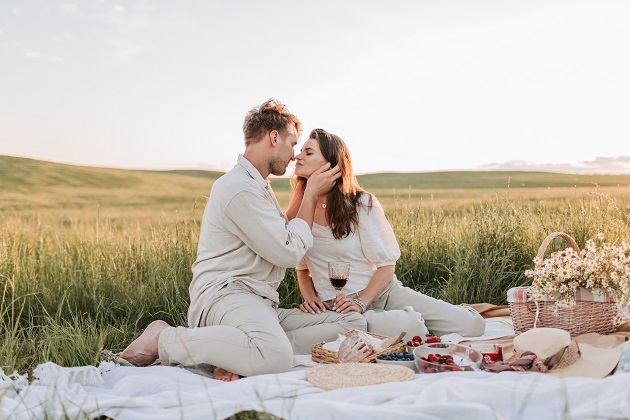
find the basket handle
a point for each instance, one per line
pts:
(551, 237)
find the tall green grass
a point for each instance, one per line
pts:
(74, 285)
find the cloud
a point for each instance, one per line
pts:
(119, 8)
(115, 14)
(72, 9)
(129, 30)
(125, 29)
(121, 19)
(622, 162)
(36, 55)
(123, 51)
(600, 165)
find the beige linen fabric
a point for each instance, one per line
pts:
(440, 317)
(390, 323)
(374, 245)
(371, 246)
(246, 334)
(245, 245)
(244, 236)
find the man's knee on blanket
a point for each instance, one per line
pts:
(277, 359)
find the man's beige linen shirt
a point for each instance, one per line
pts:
(244, 236)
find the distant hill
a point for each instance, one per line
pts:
(28, 184)
(461, 180)
(30, 175)
(488, 179)
(23, 174)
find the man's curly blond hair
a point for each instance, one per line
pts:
(271, 115)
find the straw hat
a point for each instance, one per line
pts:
(552, 351)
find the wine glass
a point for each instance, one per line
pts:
(338, 272)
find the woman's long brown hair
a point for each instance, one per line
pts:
(342, 208)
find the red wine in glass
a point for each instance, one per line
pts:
(338, 273)
(338, 282)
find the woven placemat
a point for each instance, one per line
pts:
(346, 375)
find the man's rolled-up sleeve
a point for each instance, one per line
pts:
(262, 228)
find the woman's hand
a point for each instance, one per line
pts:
(314, 306)
(343, 304)
(322, 181)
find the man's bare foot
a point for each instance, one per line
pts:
(144, 350)
(224, 375)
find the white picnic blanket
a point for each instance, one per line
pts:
(495, 328)
(161, 392)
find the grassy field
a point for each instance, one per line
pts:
(88, 256)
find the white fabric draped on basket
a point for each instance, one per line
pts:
(593, 312)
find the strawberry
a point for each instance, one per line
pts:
(433, 339)
(415, 341)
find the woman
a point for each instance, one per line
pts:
(350, 225)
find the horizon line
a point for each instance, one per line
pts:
(519, 166)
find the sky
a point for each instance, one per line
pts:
(410, 85)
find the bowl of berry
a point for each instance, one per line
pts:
(405, 359)
(446, 357)
(416, 341)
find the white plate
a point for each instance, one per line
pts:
(332, 345)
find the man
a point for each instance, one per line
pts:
(245, 245)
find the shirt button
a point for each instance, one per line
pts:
(287, 242)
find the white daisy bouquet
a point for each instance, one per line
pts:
(605, 269)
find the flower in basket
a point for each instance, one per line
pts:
(605, 267)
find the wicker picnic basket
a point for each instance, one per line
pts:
(322, 355)
(586, 316)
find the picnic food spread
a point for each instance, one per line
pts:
(432, 355)
(446, 357)
(416, 341)
(355, 347)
